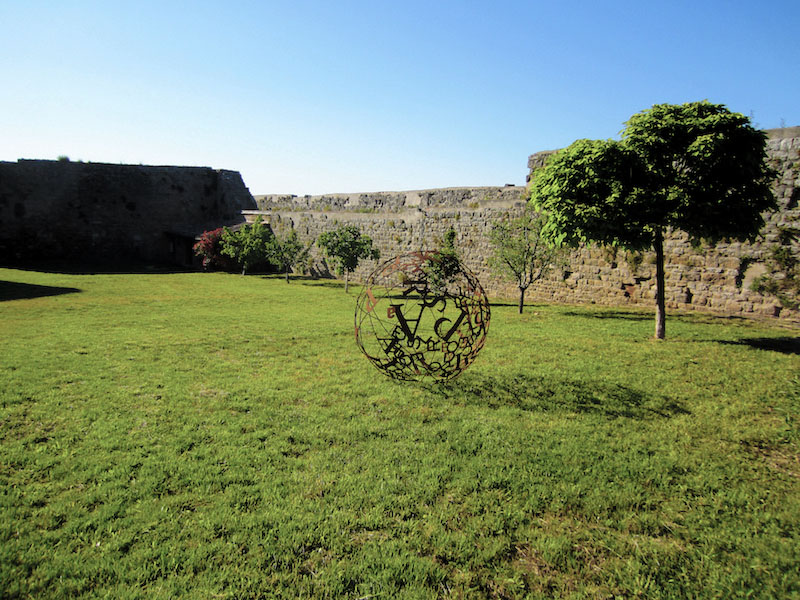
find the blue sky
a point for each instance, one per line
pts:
(308, 97)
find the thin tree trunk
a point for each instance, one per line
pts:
(521, 299)
(346, 278)
(287, 274)
(661, 313)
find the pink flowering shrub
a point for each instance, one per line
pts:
(209, 249)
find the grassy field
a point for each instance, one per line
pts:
(197, 435)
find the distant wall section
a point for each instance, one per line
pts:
(62, 209)
(398, 222)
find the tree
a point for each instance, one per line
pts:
(249, 245)
(521, 251)
(696, 167)
(289, 252)
(346, 247)
(209, 249)
(443, 265)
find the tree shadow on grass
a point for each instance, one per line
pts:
(497, 302)
(529, 307)
(784, 345)
(611, 314)
(535, 393)
(331, 283)
(686, 316)
(12, 290)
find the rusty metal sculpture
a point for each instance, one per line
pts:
(421, 316)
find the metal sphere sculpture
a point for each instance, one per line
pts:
(422, 316)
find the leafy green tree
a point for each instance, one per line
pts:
(444, 263)
(521, 252)
(249, 245)
(697, 167)
(289, 252)
(346, 247)
(782, 278)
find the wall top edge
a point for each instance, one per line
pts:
(393, 192)
(779, 133)
(783, 132)
(80, 163)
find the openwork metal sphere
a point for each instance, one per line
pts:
(421, 316)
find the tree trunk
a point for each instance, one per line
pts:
(661, 314)
(287, 274)
(346, 277)
(521, 299)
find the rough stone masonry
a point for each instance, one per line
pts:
(90, 210)
(707, 278)
(94, 211)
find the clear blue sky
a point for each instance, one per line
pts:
(311, 96)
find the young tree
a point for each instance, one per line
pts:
(696, 167)
(521, 252)
(249, 245)
(443, 265)
(346, 247)
(289, 252)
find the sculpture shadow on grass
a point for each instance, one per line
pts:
(12, 290)
(535, 393)
(784, 345)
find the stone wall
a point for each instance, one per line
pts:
(713, 278)
(708, 278)
(92, 210)
(398, 222)
(95, 211)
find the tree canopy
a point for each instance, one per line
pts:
(346, 247)
(289, 252)
(697, 167)
(249, 245)
(443, 264)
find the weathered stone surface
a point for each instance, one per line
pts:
(706, 278)
(99, 210)
(61, 209)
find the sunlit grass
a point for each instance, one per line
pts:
(211, 435)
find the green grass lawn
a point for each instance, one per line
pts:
(215, 436)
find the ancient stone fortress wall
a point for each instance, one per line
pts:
(706, 278)
(399, 222)
(63, 209)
